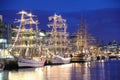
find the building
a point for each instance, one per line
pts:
(112, 47)
(5, 30)
(1, 18)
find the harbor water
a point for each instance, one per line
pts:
(99, 70)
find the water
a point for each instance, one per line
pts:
(108, 70)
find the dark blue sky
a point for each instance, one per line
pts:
(58, 5)
(102, 16)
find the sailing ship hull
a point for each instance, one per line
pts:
(114, 56)
(25, 63)
(60, 60)
(80, 58)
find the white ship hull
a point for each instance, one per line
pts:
(31, 63)
(60, 60)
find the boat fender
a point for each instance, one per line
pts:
(1, 66)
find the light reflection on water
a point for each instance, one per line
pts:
(108, 70)
(26, 74)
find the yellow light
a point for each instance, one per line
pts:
(31, 37)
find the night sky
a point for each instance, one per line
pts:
(102, 16)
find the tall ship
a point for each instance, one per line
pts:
(58, 42)
(26, 45)
(82, 44)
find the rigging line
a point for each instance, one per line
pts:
(16, 38)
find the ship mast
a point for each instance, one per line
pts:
(58, 33)
(23, 13)
(53, 32)
(82, 36)
(25, 41)
(31, 22)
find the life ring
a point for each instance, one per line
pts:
(2, 66)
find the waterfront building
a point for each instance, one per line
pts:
(1, 18)
(118, 48)
(5, 37)
(5, 30)
(112, 47)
